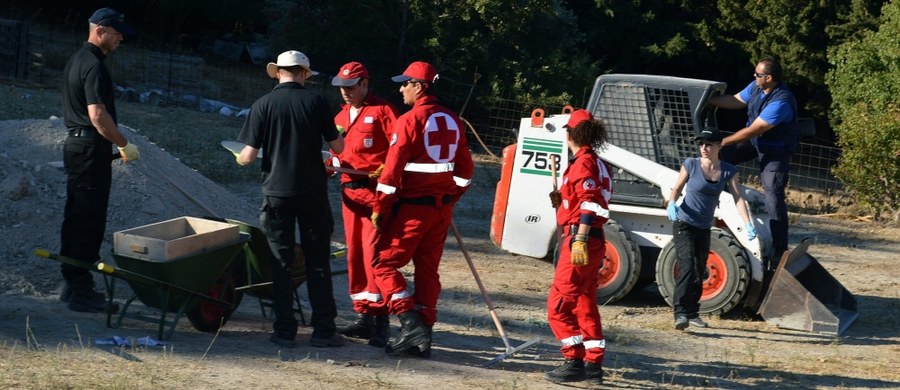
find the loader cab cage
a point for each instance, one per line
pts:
(654, 117)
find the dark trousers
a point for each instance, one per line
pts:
(312, 214)
(774, 173)
(88, 179)
(691, 249)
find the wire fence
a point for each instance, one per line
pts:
(208, 83)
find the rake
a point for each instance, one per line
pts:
(487, 300)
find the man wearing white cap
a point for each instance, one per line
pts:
(365, 121)
(288, 124)
(427, 168)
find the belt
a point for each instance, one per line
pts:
(571, 230)
(360, 183)
(84, 132)
(426, 200)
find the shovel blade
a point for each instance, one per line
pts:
(804, 296)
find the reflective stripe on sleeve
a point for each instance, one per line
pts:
(595, 344)
(461, 182)
(570, 341)
(429, 168)
(596, 208)
(386, 189)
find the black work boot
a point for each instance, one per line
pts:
(570, 371)
(381, 332)
(362, 328)
(89, 301)
(412, 335)
(594, 373)
(66, 293)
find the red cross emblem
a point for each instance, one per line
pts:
(441, 136)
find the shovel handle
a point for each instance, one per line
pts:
(553, 160)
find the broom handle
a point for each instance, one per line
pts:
(484, 295)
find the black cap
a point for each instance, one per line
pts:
(709, 134)
(109, 17)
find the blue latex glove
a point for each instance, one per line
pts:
(672, 210)
(751, 231)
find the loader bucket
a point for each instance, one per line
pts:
(804, 296)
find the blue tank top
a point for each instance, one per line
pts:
(702, 196)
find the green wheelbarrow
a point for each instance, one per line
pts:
(173, 266)
(250, 273)
(198, 268)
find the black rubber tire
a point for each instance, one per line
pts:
(622, 264)
(728, 274)
(208, 316)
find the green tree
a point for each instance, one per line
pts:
(865, 83)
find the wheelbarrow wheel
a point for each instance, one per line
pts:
(209, 316)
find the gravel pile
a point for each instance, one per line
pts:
(156, 188)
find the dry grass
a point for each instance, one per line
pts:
(68, 366)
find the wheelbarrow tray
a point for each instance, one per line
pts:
(188, 275)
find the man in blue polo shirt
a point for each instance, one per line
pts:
(89, 110)
(771, 135)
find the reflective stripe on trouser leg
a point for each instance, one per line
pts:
(398, 242)
(572, 303)
(427, 260)
(361, 238)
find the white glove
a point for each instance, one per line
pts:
(129, 152)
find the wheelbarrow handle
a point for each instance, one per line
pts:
(126, 274)
(62, 259)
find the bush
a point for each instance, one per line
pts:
(864, 84)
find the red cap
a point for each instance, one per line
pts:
(419, 70)
(350, 74)
(577, 117)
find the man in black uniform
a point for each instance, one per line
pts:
(90, 116)
(288, 124)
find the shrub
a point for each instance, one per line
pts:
(864, 84)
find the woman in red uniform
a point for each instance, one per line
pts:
(582, 204)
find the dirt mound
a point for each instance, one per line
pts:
(33, 192)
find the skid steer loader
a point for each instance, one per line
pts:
(651, 120)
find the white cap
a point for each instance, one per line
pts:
(286, 59)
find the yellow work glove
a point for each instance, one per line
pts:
(579, 255)
(129, 152)
(555, 199)
(340, 129)
(374, 175)
(376, 219)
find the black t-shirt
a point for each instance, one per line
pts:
(289, 124)
(86, 81)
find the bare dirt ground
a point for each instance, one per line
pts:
(43, 345)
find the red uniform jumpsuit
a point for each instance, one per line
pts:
(428, 166)
(572, 303)
(366, 144)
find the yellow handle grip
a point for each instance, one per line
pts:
(42, 253)
(106, 268)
